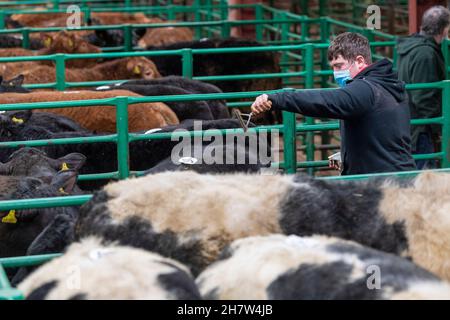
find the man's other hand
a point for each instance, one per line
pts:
(261, 104)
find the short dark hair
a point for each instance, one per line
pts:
(435, 20)
(350, 45)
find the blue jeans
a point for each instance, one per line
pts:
(425, 145)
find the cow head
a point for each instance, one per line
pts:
(11, 122)
(35, 163)
(13, 85)
(20, 227)
(67, 42)
(141, 68)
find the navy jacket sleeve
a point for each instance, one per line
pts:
(344, 103)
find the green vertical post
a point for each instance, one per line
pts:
(304, 7)
(445, 141)
(2, 19)
(122, 137)
(86, 15)
(226, 29)
(60, 71)
(395, 55)
(325, 136)
(445, 52)
(187, 61)
(197, 18)
(309, 83)
(324, 38)
(304, 27)
(26, 38)
(223, 11)
(55, 4)
(127, 39)
(370, 36)
(284, 30)
(127, 3)
(259, 27)
(322, 8)
(289, 142)
(354, 12)
(284, 40)
(170, 14)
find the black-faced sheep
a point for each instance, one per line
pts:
(213, 210)
(279, 267)
(89, 270)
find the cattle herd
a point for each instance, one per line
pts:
(193, 231)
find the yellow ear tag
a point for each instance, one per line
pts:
(64, 167)
(10, 218)
(17, 120)
(61, 190)
(47, 42)
(136, 70)
(70, 43)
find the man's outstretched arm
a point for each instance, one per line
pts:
(344, 103)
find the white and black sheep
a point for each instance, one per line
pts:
(92, 271)
(315, 268)
(203, 213)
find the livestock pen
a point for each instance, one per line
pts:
(302, 66)
(280, 31)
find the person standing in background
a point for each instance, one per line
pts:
(420, 60)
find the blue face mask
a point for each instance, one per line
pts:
(341, 77)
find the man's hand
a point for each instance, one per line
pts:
(261, 104)
(335, 161)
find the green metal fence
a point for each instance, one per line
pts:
(187, 56)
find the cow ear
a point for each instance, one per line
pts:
(20, 116)
(15, 82)
(4, 168)
(65, 181)
(70, 41)
(47, 40)
(140, 31)
(72, 161)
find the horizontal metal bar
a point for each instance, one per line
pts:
(66, 201)
(27, 261)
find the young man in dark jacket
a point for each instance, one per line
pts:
(420, 60)
(371, 103)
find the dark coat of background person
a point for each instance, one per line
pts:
(420, 59)
(375, 120)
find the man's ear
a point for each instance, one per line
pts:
(20, 116)
(65, 181)
(72, 161)
(15, 82)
